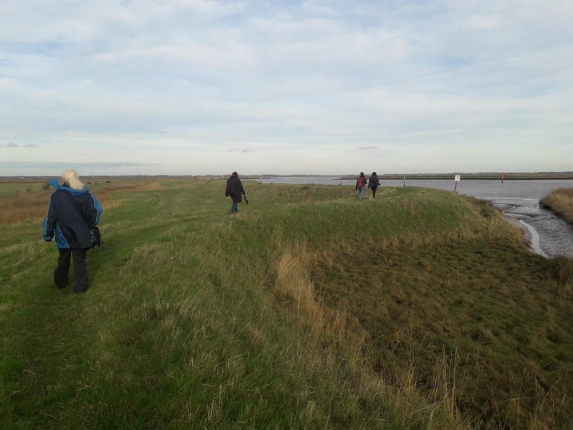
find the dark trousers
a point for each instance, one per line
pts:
(373, 192)
(80, 273)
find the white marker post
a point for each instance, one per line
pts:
(457, 179)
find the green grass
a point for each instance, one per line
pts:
(308, 309)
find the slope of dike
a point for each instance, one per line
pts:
(307, 309)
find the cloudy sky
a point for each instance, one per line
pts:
(285, 87)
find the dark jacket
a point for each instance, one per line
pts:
(71, 214)
(235, 189)
(373, 182)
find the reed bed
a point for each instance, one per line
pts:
(32, 204)
(560, 201)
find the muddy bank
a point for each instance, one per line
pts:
(545, 232)
(530, 235)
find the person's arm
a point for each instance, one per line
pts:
(92, 210)
(49, 224)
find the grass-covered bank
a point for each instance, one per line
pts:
(308, 309)
(561, 202)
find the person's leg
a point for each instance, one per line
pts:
(374, 192)
(63, 268)
(234, 208)
(80, 275)
(361, 193)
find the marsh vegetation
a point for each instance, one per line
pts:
(560, 201)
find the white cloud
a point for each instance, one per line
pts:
(285, 85)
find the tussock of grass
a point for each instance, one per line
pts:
(308, 309)
(561, 201)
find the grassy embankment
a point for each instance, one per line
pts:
(308, 309)
(561, 202)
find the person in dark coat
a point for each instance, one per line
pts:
(235, 190)
(361, 185)
(373, 184)
(72, 211)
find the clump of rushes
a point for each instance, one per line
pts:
(308, 309)
(561, 202)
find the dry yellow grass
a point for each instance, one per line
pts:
(560, 201)
(343, 332)
(294, 284)
(34, 204)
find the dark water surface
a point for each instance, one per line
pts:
(518, 199)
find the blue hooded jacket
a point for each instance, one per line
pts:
(71, 214)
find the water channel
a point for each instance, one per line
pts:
(549, 234)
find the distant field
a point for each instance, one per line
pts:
(28, 199)
(8, 183)
(421, 309)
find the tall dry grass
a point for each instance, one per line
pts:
(294, 283)
(560, 201)
(346, 339)
(34, 204)
(24, 206)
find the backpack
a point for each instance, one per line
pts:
(361, 181)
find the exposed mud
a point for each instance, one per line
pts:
(545, 232)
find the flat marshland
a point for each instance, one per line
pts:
(308, 309)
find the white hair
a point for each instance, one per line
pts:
(70, 176)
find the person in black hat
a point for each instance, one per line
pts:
(235, 190)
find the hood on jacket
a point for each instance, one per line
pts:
(54, 183)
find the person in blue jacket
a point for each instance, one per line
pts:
(72, 211)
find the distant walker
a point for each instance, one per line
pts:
(236, 191)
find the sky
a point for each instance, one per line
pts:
(196, 87)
